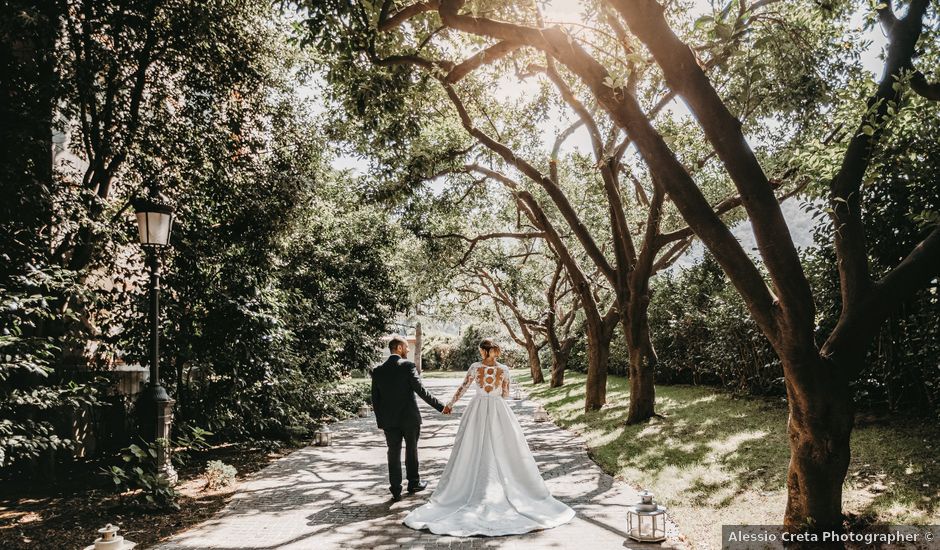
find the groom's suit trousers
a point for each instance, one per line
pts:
(394, 438)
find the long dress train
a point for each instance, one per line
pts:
(491, 484)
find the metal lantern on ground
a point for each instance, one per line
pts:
(516, 394)
(540, 414)
(646, 520)
(364, 410)
(110, 540)
(324, 436)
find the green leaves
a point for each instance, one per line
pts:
(140, 475)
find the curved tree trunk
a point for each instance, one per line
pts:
(558, 373)
(819, 428)
(559, 366)
(598, 353)
(643, 362)
(535, 366)
(636, 329)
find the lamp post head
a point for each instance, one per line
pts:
(154, 220)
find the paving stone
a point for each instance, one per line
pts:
(336, 497)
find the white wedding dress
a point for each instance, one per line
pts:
(491, 484)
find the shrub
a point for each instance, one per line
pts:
(139, 472)
(466, 351)
(703, 334)
(186, 440)
(337, 401)
(513, 356)
(138, 467)
(437, 352)
(219, 474)
(442, 352)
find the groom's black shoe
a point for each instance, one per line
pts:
(396, 497)
(419, 486)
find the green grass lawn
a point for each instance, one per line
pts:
(718, 459)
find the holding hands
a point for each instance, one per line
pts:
(447, 409)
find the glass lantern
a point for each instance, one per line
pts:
(540, 414)
(154, 221)
(364, 410)
(323, 437)
(646, 520)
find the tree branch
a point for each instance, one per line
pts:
(660, 159)
(886, 17)
(672, 254)
(726, 206)
(845, 188)
(918, 267)
(624, 248)
(683, 74)
(533, 210)
(407, 13)
(483, 57)
(411, 59)
(861, 322)
(557, 195)
(476, 240)
(925, 89)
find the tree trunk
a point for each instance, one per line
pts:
(598, 352)
(559, 366)
(535, 366)
(819, 429)
(643, 362)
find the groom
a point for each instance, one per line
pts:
(394, 385)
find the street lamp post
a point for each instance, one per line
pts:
(155, 222)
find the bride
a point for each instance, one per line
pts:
(491, 484)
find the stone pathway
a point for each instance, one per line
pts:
(336, 497)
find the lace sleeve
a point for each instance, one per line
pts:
(506, 382)
(467, 380)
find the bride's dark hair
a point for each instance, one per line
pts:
(488, 344)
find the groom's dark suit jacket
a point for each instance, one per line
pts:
(394, 385)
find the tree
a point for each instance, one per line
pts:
(558, 323)
(29, 281)
(280, 276)
(636, 234)
(817, 376)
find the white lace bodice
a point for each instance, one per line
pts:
(490, 380)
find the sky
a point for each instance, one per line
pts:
(560, 11)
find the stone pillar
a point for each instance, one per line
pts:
(418, 346)
(163, 431)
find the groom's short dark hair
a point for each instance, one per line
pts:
(396, 341)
